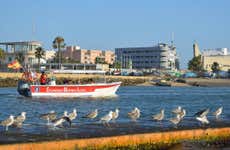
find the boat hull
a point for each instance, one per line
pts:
(86, 90)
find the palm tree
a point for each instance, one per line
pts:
(20, 56)
(215, 67)
(39, 53)
(58, 43)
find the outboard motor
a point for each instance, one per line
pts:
(24, 88)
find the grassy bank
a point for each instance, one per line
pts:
(10, 79)
(198, 138)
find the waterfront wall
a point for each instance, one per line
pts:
(10, 79)
(123, 140)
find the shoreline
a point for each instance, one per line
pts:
(177, 137)
(10, 80)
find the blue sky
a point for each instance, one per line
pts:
(107, 24)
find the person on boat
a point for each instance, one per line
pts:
(52, 79)
(43, 78)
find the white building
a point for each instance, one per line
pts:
(161, 56)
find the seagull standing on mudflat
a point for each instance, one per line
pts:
(182, 113)
(73, 115)
(159, 116)
(92, 114)
(218, 112)
(107, 118)
(20, 119)
(134, 114)
(8, 122)
(175, 120)
(49, 116)
(177, 110)
(65, 114)
(115, 114)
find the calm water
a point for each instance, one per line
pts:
(149, 99)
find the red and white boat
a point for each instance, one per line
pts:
(78, 90)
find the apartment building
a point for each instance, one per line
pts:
(161, 56)
(209, 56)
(85, 56)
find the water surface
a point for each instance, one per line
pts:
(148, 99)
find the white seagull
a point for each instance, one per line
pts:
(65, 114)
(107, 118)
(20, 119)
(202, 116)
(159, 116)
(218, 112)
(8, 122)
(134, 114)
(175, 120)
(73, 115)
(202, 119)
(59, 121)
(49, 116)
(182, 114)
(115, 114)
(177, 110)
(92, 114)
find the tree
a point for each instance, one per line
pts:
(99, 60)
(39, 53)
(195, 64)
(20, 56)
(215, 67)
(59, 43)
(2, 54)
(117, 65)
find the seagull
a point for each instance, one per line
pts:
(107, 118)
(134, 114)
(8, 122)
(65, 114)
(59, 121)
(203, 119)
(177, 110)
(218, 112)
(159, 116)
(73, 115)
(115, 114)
(202, 113)
(202, 116)
(20, 119)
(92, 114)
(182, 113)
(49, 116)
(175, 120)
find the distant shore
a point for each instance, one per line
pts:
(10, 80)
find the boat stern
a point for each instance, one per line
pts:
(24, 88)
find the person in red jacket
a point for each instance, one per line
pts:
(43, 78)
